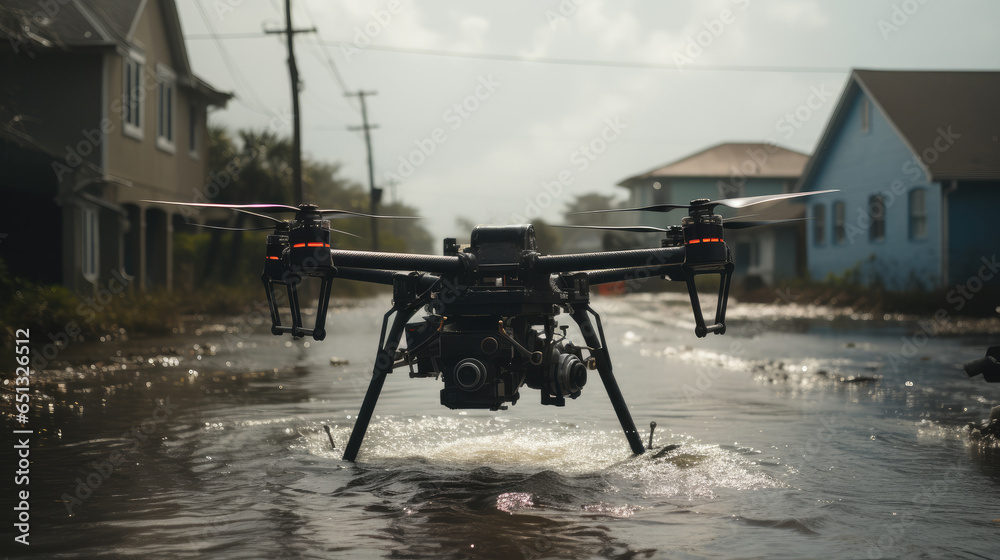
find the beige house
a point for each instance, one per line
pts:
(99, 109)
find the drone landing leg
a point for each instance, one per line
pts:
(595, 339)
(383, 365)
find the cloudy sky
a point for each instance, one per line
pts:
(499, 111)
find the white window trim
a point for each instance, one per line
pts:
(193, 119)
(165, 75)
(129, 129)
(914, 235)
(91, 226)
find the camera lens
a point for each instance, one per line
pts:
(470, 374)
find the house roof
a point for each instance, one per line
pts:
(922, 106)
(77, 24)
(751, 159)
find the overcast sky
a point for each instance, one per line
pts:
(626, 86)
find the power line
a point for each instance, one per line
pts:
(564, 61)
(238, 78)
(293, 70)
(592, 62)
(331, 65)
(375, 193)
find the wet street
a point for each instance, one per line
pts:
(803, 433)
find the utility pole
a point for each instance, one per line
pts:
(297, 183)
(376, 194)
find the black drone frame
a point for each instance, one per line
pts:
(486, 300)
(518, 281)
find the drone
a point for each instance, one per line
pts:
(490, 327)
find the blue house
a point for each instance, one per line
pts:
(916, 157)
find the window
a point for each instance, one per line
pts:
(132, 95)
(918, 214)
(91, 241)
(819, 224)
(193, 130)
(166, 83)
(838, 222)
(876, 210)
(865, 114)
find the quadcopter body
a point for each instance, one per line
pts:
(488, 325)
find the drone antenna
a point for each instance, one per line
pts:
(327, 428)
(652, 427)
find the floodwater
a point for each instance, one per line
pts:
(802, 434)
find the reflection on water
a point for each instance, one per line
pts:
(810, 441)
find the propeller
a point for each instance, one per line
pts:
(711, 204)
(741, 224)
(335, 213)
(266, 228)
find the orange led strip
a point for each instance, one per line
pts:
(273, 258)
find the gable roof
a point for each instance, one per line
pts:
(723, 160)
(77, 24)
(923, 105)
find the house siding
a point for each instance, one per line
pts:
(861, 164)
(153, 172)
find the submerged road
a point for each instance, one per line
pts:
(802, 433)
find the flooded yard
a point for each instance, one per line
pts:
(803, 432)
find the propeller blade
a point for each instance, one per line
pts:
(209, 226)
(755, 223)
(634, 229)
(653, 208)
(751, 200)
(276, 207)
(730, 202)
(351, 214)
(264, 229)
(211, 205)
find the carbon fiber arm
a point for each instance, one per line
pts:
(401, 261)
(611, 260)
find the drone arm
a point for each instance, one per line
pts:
(671, 271)
(366, 275)
(402, 261)
(595, 340)
(611, 260)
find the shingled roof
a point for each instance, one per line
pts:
(81, 24)
(923, 105)
(727, 159)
